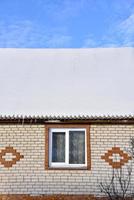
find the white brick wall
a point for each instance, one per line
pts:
(29, 176)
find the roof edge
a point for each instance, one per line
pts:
(105, 119)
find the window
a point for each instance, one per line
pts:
(67, 146)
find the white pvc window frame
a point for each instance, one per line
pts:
(66, 163)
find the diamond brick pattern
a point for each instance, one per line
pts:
(9, 163)
(108, 157)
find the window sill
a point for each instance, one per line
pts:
(67, 168)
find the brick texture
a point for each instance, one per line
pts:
(28, 176)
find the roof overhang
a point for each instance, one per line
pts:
(42, 120)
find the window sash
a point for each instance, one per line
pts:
(58, 147)
(66, 163)
(76, 147)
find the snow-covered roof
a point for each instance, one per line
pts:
(95, 81)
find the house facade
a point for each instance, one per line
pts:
(61, 155)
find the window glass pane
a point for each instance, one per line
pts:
(77, 147)
(58, 147)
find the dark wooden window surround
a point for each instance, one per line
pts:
(86, 126)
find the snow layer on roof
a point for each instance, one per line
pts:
(67, 81)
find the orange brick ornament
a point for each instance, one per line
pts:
(14, 152)
(116, 164)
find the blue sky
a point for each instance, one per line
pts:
(66, 23)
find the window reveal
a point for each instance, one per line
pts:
(67, 146)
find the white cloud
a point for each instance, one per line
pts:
(28, 34)
(120, 34)
(128, 24)
(18, 34)
(126, 31)
(62, 9)
(58, 41)
(90, 42)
